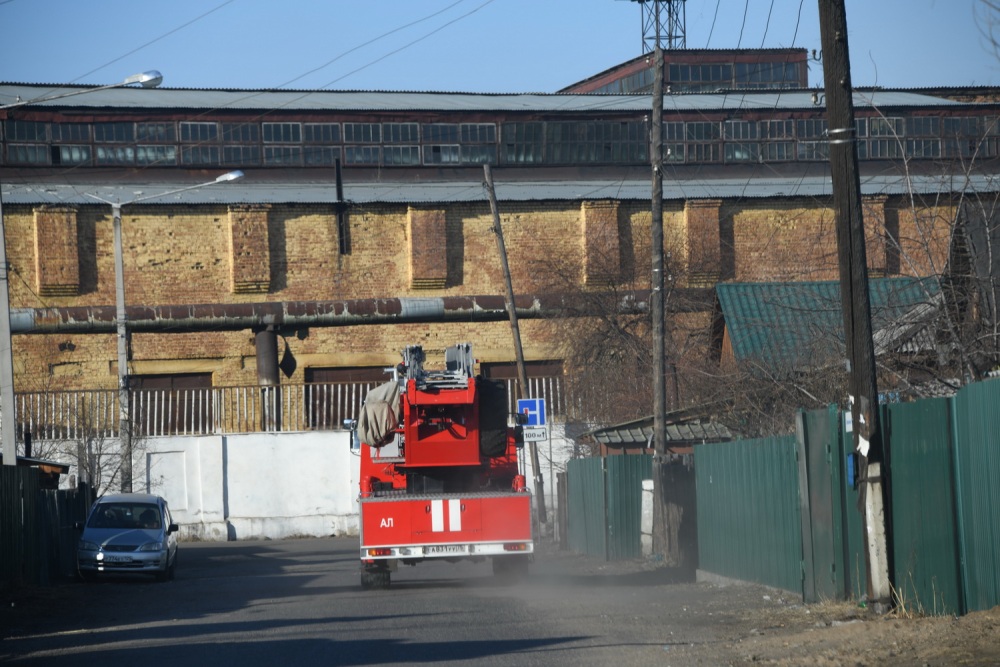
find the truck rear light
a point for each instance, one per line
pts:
(515, 546)
(380, 552)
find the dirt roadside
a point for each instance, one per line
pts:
(755, 625)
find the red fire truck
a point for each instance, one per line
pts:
(440, 477)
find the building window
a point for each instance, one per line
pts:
(923, 148)
(241, 156)
(196, 132)
(581, 142)
(478, 154)
(240, 133)
(362, 133)
(71, 132)
(156, 155)
(673, 152)
(320, 156)
(282, 133)
(361, 155)
(777, 129)
(673, 131)
(811, 128)
(442, 154)
(880, 149)
(778, 151)
(26, 130)
(194, 155)
(70, 155)
(114, 155)
(740, 129)
(742, 152)
(479, 133)
(703, 153)
(400, 133)
(522, 143)
(27, 154)
(155, 132)
(923, 126)
(702, 131)
(283, 156)
(813, 150)
(321, 133)
(401, 155)
(114, 132)
(885, 127)
(441, 133)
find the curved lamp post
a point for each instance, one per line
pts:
(8, 436)
(124, 407)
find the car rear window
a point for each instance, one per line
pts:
(125, 515)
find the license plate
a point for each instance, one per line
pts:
(447, 549)
(118, 559)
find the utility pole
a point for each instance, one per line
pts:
(522, 373)
(657, 309)
(855, 302)
(8, 421)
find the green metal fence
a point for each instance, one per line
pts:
(783, 511)
(748, 511)
(605, 505)
(976, 432)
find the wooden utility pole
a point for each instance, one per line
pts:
(855, 301)
(657, 299)
(522, 373)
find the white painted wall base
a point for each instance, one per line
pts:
(271, 485)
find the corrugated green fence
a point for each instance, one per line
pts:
(37, 538)
(782, 511)
(748, 511)
(605, 505)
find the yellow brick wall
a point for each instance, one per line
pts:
(181, 254)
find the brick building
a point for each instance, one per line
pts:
(747, 198)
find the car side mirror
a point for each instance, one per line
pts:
(78, 525)
(520, 418)
(172, 528)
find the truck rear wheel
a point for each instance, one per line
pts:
(374, 578)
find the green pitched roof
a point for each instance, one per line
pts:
(793, 325)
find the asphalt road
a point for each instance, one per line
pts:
(299, 602)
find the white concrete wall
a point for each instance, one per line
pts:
(252, 486)
(275, 485)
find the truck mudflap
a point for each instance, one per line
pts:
(401, 526)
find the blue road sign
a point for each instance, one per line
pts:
(534, 408)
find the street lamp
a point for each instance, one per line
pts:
(125, 422)
(8, 436)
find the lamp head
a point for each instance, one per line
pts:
(150, 79)
(229, 177)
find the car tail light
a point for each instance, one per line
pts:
(515, 546)
(380, 552)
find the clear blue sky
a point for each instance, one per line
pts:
(456, 45)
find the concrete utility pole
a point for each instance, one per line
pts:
(657, 309)
(7, 418)
(855, 302)
(522, 373)
(121, 319)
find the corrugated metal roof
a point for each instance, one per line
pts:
(794, 325)
(249, 191)
(361, 101)
(640, 431)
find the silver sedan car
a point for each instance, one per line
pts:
(128, 533)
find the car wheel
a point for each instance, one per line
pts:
(168, 572)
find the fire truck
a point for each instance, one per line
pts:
(440, 475)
